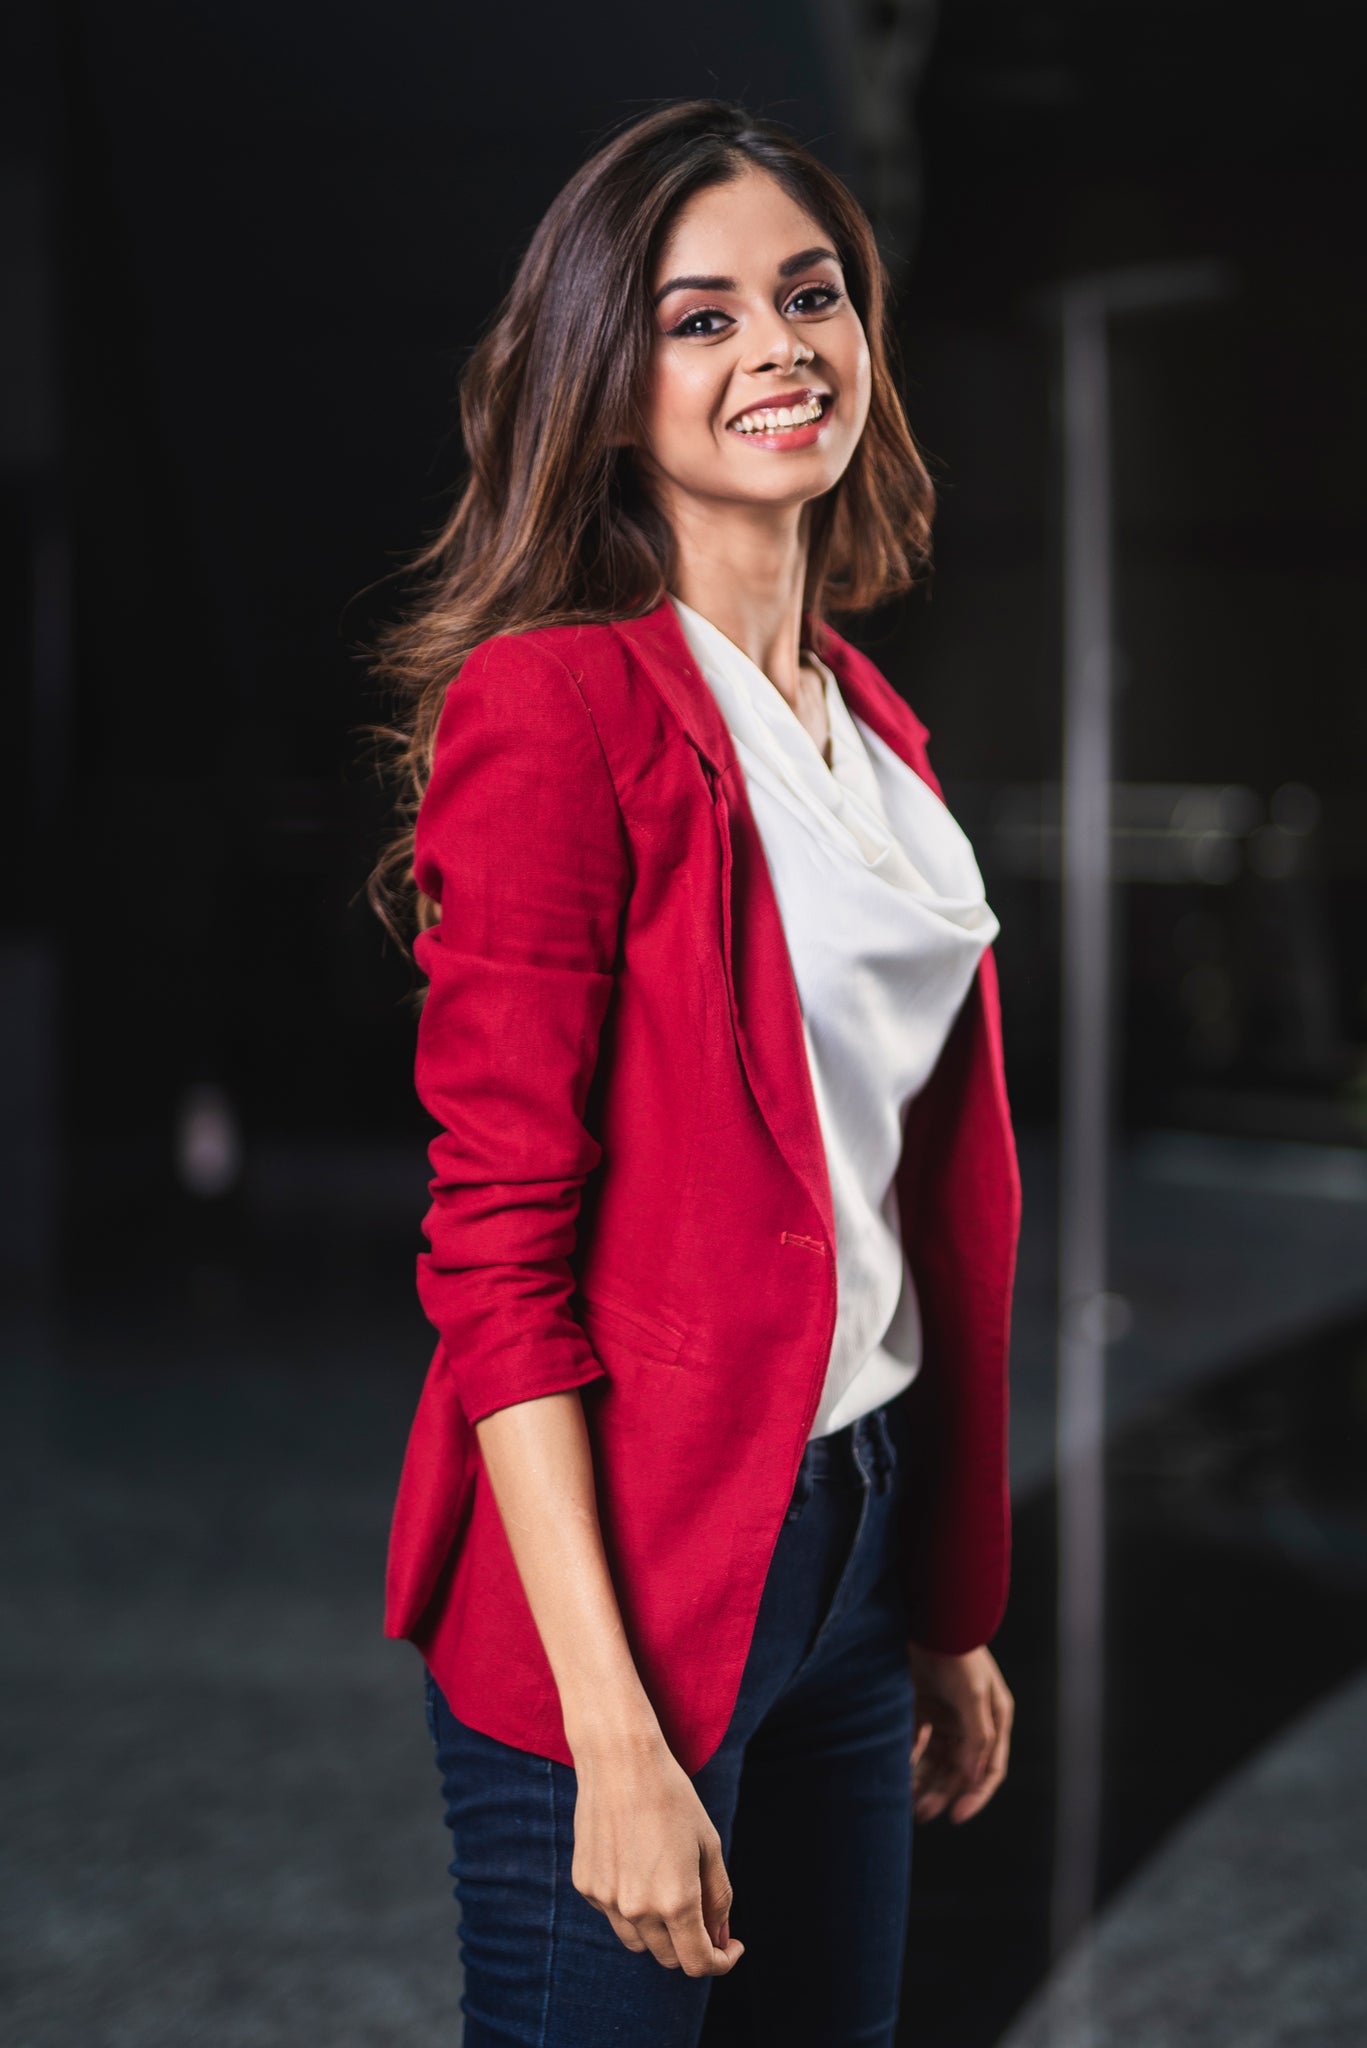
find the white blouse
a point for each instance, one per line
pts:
(886, 920)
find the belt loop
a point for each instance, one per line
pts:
(885, 1456)
(860, 1449)
(870, 1449)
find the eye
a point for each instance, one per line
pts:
(828, 294)
(686, 326)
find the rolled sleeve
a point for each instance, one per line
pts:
(521, 840)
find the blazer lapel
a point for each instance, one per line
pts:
(871, 697)
(765, 1008)
(766, 1014)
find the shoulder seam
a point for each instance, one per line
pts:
(587, 708)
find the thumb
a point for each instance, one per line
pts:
(716, 1897)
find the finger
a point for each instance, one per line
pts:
(939, 1781)
(956, 1783)
(717, 1896)
(973, 1802)
(974, 1797)
(970, 1753)
(932, 1799)
(938, 1766)
(994, 1769)
(697, 1953)
(1005, 1709)
(625, 1931)
(933, 1795)
(997, 1733)
(655, 1935)
(929, 1800)
(932, 1804)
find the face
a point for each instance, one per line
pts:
(760, 376)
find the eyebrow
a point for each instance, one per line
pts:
(788, 268)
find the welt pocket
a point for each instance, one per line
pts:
(645, 1334)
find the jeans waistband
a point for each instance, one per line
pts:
(863, 1449)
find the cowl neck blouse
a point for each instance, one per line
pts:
(886, 920)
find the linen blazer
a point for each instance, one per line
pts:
(630, 1195)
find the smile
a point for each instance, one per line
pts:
(781, 419)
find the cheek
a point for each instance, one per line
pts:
(681, 407)
(863, 379)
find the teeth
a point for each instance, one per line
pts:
(771, 419)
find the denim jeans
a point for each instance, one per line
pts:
(810, 1792)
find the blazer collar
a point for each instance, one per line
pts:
(658, 640)
(765, 1008)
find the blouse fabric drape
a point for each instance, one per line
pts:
(886, 919)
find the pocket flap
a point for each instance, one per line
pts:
(632, 1327)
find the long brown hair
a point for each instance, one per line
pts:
(553, 525)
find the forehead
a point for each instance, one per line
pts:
(750, 223)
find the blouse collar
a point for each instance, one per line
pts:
(868, 805)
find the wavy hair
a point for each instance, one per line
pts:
(553, 524)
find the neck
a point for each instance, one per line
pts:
(745, 569)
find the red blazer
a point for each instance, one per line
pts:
(630, 1191)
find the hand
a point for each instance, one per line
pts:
(964, 1713)
(647, 1855)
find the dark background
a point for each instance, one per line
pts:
(251, 249)
(245, 251)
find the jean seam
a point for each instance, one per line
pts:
(553, 1930)
(884, 1453)
(840, 1597)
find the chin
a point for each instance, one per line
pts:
(798, 484)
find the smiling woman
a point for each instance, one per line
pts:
(768, 359)
(703, 1525)
(556, 521)
(745, 336)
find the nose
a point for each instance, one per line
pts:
(777, 347)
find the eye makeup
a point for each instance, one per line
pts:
(831, 293)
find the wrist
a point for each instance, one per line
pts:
(612, 1727)
(920, 1650)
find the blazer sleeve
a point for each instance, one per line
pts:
(521, 839)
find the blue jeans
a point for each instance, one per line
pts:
(810, 1792)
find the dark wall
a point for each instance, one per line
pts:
(1071, 140)
(275, 237)
(284, 233)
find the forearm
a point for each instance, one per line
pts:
(540, 1464)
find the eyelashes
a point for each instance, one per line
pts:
(831, 294)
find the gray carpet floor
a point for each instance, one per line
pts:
(222, 1819)
(1249, 1928)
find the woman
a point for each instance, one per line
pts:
(703, 1524)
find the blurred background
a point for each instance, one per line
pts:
(245, 251)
